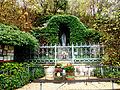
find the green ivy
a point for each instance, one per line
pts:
(109, 27)
(41, 20)
(108, 72)
(92, 35)
(16, 75)
(11, 35)
(77, 29)
(78, 32)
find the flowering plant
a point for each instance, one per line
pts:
(69, 68)
(58, 65)
(58, 69)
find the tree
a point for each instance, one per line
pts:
(109, 26)
(11, 13)
(23, 13)
(84, 9)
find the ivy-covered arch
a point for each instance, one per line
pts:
(77, 29)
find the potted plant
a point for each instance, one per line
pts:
(58, 72)
(69, 68)
(69, 71)
(70, 77)
(58, 65)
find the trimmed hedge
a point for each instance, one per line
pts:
(17, 75)
(77, 29)
(11, 35)
(78, 32)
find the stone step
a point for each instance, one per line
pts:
(64, 61)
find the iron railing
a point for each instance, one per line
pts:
(83, 53)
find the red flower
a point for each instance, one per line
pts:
(58, 70)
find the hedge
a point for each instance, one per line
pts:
(78, 32)
(108, 72)
(77, 29)
(17, 75)
(11, 35)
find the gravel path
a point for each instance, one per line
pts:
(76, 86)
(73, 86)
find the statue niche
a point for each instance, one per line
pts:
(64, 35)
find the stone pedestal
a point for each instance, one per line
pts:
(50, 72)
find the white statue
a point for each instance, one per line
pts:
(63, 39)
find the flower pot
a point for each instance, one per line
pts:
(58, 76)
(70, 78)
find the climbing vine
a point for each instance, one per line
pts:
(109, 26)
(11, 35)
(78, 32)
(77, 29)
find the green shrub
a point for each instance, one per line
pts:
(23, 41)
(77, 29)
(108, 72)
(78, 32)
(37, 73)
(16, 75)
(10, 35)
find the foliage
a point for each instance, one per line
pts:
(78, 32)
(48, 6)
(40, 20)
(84, 10)
(79, 7)
(92, 35)
(70, 77)
(37, 72)
(77, 29)
(60, 4)
(22, 13)
(108, 25)
(58, 69)
(17, 74)
(11, 13)
(40, 34)
(58, 65)
(69, 68)
(108, 72)
(10, 35)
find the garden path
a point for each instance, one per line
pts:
(73, 86)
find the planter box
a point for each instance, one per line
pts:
(70, 78)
